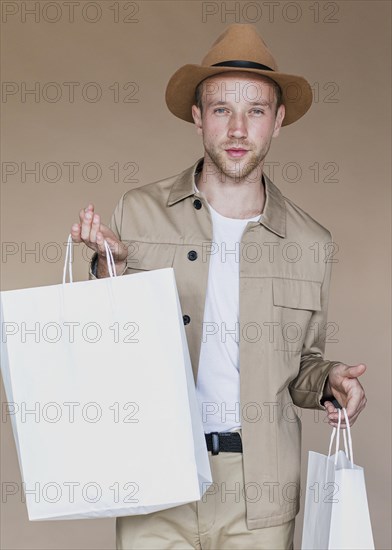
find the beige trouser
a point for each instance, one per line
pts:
(217, 521)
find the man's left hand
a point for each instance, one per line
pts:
(343, 384)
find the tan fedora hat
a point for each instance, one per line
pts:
(238, 48)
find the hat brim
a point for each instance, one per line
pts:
(180, 92)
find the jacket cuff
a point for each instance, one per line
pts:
(320, 397)
(313, 399)
(94, 264)
(93, 267)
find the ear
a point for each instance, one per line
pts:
(278, 120)
(196, 114)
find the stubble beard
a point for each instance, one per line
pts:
(237, 170)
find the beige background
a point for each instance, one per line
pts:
(343, 50)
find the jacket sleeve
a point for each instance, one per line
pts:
(307, 388)
(115, 225)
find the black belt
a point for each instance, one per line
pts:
(226, 442)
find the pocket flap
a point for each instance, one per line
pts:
(297, 294)
(148, 256)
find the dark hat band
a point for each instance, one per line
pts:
(243, 65)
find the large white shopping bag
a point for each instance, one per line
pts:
(336, 513)
(101, 396)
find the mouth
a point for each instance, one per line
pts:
(236, 152)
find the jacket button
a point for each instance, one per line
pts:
(197, 204)
(186, 319)
(192, 255)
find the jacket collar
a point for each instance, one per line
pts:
(274, 213)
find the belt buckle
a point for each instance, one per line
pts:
(215, 443)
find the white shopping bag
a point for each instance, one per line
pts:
(101, 396)
(336, 513)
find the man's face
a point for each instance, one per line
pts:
(238, 121)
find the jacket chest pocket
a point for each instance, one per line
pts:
(294, 302)
(145, 256)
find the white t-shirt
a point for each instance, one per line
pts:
(218, 380)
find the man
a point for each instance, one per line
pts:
(253, 294)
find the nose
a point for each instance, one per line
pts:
(237, 126)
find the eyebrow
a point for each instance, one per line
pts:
(261, 103)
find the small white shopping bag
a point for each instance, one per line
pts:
(336, 515)
(101, 396)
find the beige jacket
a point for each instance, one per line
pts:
(285, 269)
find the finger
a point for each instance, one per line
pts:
(118, 248)
(100, 243)
(96, 222)
(329, 408)
(343, 424)
(86, 225)
(352, 417)
(89, 208)
(75, 233)
(332, 411)
(356, 370)
(113, 245)
(334, 417)
(83, 211)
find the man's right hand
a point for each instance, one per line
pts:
(92, 232)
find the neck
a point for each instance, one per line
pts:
(230, 196)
